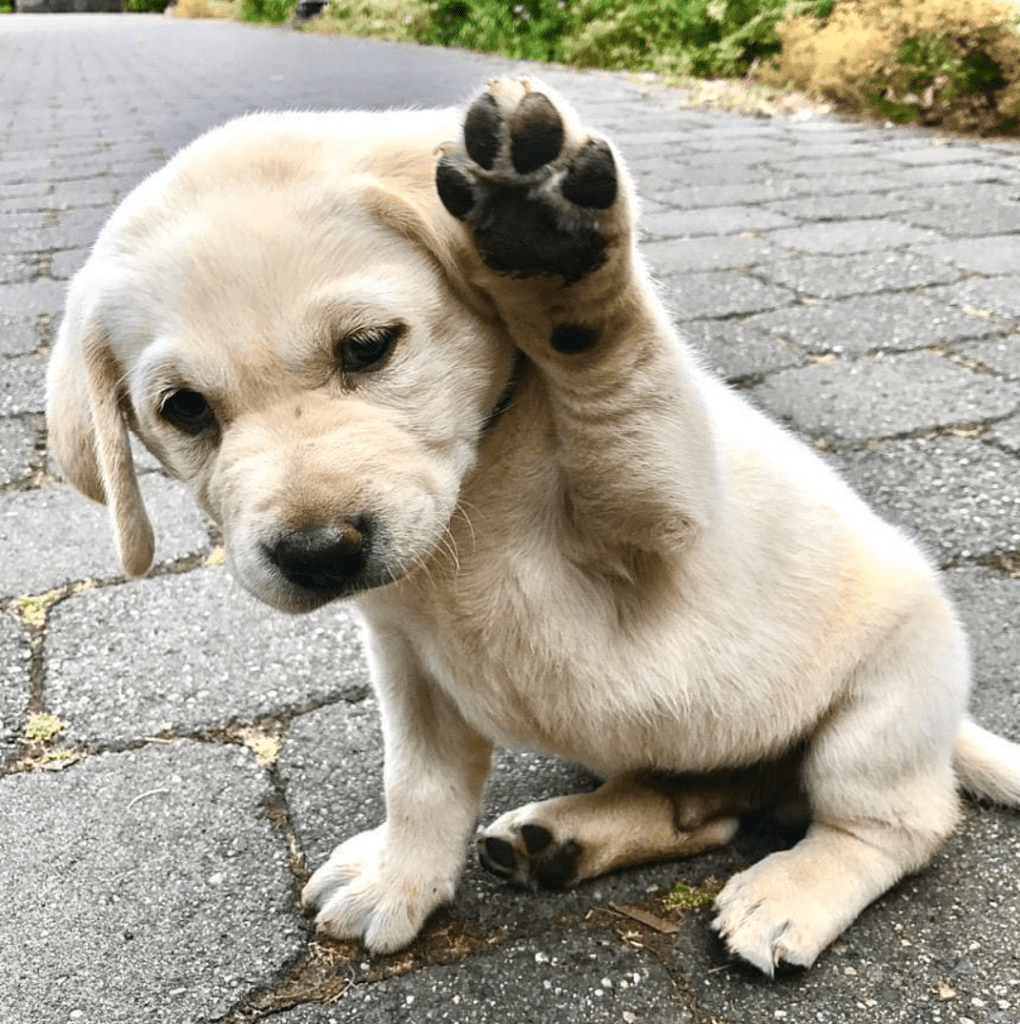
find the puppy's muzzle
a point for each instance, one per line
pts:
(327, 561)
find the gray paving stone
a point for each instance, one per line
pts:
(32, 298)
(141, 886)
(179, 654)
(736, 350)
(15, 683)
(996, 254)
(1000, 355)
(663, 168)
(939, 154)
(331, 764)
(55, 536)
(65, 264)
(720, 220)
(19, 335)
(572, 977)
(852, 236)
(872, 323)
(959, 496)
(17, 445)
(949, 173)
(18, 268)
(721, 293)
(23, 385)
(884, 397)
(969, 219)
(683, 256)
(989, 607)
(754, 154)
(1006, 433)
(809, 167)
(853, 206)
(835, 277)
(694, 197)
(974, 200)
(997, 297)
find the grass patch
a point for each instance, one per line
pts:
(41, 727)
(33, 607)
(684, 897)
(275, 12)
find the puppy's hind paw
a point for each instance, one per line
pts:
(530, 857)
(537, 191)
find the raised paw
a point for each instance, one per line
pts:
(529, 856)
(538, 192)
(364, 891)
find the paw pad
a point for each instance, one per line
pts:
(533, 197)
(536, 133)
(541, 862)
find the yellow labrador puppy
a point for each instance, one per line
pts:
(415, 359)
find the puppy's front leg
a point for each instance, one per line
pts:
(548, 224)
(381, 885)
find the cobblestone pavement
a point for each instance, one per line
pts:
(860, 283)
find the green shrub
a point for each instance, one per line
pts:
(951, 62)
(144, 6)
(273, 11)
(696, 37)
(387, 19)
(529, 30)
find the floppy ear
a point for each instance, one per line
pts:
(88, 435)
(418, 215)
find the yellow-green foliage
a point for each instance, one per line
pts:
(682, 897)
(386, 19)
(202, 9)
(950, 61)
(42, 727)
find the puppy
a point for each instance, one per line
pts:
(414, 359)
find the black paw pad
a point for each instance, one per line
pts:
(557, 868)
(536, 133)
(482, 131)
(591, 180)
(536, 838)
(497, 856)
(542, 862)
(572, 338)
(454, 189)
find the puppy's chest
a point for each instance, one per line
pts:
(539, 654)
(528, 666)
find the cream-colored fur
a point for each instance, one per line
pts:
(628, 566)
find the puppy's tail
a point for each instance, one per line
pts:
(987, 765)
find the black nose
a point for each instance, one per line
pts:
(326, 560)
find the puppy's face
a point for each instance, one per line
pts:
(306, 370)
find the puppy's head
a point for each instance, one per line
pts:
(278, 316)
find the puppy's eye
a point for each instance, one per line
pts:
(367, 351)
(188, 411)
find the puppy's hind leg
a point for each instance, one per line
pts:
(548, 225)
(633, 818)
(878, 775)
